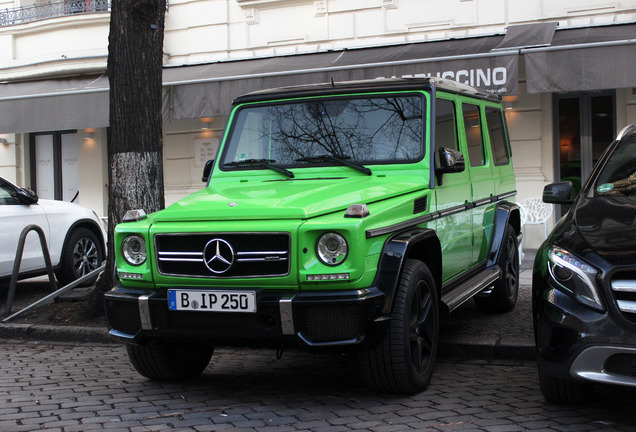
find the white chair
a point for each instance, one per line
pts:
(535, 212)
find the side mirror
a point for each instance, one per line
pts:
(450, 161)
(207, 170)
(558, 193)
(26, 196)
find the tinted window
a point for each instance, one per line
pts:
(445, 125)
(618, 176)
(472, 126)
(364, 130)
(497, 135)
(6, 196)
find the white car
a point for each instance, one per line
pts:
(74, 235)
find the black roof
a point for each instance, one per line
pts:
(374, 85)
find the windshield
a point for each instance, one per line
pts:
(618, 176)
(367, 130)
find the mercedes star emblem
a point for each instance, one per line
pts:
(218, 256)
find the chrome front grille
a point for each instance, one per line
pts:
(223, 255)
(624, 292)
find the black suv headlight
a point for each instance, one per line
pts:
(133, 249)
(573, 276)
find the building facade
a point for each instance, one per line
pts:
(565, 69)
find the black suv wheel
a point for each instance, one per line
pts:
(506, 289)
(403, 362)
(167, 361)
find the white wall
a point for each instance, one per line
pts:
(65, 45)
(93, 170)
(9, 159)
(210, 30)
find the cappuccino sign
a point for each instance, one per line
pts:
(494, 74)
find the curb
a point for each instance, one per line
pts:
(488, 347)
(480, 348)
(55, 333)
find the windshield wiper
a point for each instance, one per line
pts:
(340, 159)
(266, 163)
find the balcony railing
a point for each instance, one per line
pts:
(42, 11)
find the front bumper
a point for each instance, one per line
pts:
(309, 319)
(578, 344)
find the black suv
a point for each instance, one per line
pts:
(584, 281)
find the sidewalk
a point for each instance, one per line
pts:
(466, 333)
(469, 332)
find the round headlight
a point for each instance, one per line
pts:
(332, 248)
(134, 250)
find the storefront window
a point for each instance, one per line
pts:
(586, 125)
(54, 165)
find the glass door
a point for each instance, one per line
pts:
(585, 124)
(54, 165)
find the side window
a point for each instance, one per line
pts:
(497, 135)
(6, 198)
(445, 124)
(472, 127)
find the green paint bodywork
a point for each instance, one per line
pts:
(314, 202)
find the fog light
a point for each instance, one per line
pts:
(124, 275)
(325, 277)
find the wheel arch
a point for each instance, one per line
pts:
(505, 213)
(419, 243)
(91, 226)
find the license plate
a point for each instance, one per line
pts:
(212, 301)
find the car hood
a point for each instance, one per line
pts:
(286, 199)
(602, 226)
(55, 206)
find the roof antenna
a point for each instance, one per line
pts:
(332, 83)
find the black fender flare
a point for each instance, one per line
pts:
(505, 213)
(396, 250)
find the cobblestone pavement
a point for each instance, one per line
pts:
(81, 387)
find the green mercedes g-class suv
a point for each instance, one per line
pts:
(341, 215)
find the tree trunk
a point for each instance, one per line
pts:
(135, 145)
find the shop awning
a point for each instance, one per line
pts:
(54, 104)
(207, 90)
(527, 35)
(592, 58)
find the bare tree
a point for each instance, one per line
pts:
(135, 146)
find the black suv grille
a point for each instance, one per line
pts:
(223, 255)
(624, 291)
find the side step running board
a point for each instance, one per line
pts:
(467, 289)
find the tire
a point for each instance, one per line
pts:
(166, 361)
(403, 361)
(559, 391)
(82, 254)
(506, 289)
